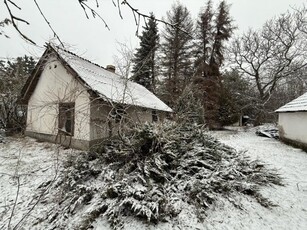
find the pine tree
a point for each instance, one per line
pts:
(236, 97)
(223, 31)
(145, 57)
(213, 31)
(176, 49)
(204, 36)
(13, 76)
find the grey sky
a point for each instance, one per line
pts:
(90, 39)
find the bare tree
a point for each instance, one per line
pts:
(273, 54)
(123, 59)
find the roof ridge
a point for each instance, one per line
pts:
(70, 52)
(97, 79)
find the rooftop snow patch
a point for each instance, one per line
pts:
(111, 86)
(298, 104)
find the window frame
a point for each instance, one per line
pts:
(65, 107)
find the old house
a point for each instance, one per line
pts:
(75, 102)
(292, 122)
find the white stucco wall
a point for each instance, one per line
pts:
(293, 126)
(139, 115)
(56, 85)
(101, 122)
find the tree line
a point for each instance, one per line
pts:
(13, 75)
(210, 76)
(201, 69)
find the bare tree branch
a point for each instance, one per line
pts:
(18, 188)
(137, 15)
(14, 19)
(48, 23)
(14, 4)
(94, 12)
(4, 23)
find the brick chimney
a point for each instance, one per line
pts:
(111, 68)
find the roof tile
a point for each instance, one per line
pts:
(298, 104)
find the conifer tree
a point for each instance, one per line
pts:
(223, 31)
(204, 36)
(176, 49)
(13, 76)
(213, 30)
(145, 57)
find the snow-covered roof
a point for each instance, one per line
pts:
(110, 86)
(298, 104)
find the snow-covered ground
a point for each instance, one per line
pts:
(291, 212)
(29, 163)
(24, 165)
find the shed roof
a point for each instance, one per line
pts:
(296, 105)
(108, 85)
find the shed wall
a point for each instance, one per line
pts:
(102, 124)
(293, 126)
(56, 85)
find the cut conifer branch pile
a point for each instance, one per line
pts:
(153, 173)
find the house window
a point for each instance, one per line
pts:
(66, 118)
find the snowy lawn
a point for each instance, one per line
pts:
(291, 212)
(26, 163)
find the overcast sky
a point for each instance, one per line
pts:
(90, 39)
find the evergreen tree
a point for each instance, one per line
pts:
(176, 49)
(2, 69)
(13, 76)
(145, 57)
(236, 98)
(213, 30)
(204, 36)
(223, 31)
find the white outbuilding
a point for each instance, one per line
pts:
(292, 122)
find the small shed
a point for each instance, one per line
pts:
(76, 103)
(292, 122)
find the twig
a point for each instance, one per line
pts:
(17, 192)
(119, 10)
(48, 23)
(94, 12)
(14, 4)
(15, 202)
(42, 193)
(146, 16)
(14, 19)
